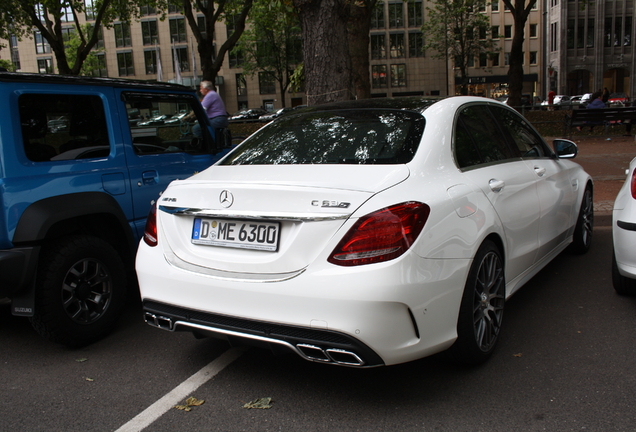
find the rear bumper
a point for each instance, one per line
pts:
(312, 344)
(17, 269)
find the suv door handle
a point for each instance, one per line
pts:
(149, 178)
(539, 170)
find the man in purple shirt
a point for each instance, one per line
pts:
(214, 109)
(213, 105)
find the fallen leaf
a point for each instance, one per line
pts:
(189, 403)
(81, 360)
(260, 403)
(517, 355)
(89, 379)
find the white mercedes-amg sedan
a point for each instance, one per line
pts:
(624, 235)
(366, 233)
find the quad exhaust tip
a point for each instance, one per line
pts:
(159, 321)
(330, 355)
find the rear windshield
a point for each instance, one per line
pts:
(334, 137)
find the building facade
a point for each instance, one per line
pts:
(590, 46)
(569, 48)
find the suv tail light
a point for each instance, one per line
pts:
(150, 232)
(381, 236)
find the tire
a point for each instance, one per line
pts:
(482, 307)
(80, 290)
(623, 285)
(582, 238)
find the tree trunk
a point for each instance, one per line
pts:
(515, 72)
(328, 75)
(359, 26)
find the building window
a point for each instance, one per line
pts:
(100, 37)
(125, 63)
(149, 32)
(122, 35)
(507, 59)
(398, 75)
(174, 7)
(45, 65)
(590, 32)
(494, 7)
(396, 45)
(570, 34)
(471, 61)
(241, 85)
(554, 34)
(15, 54)
(483, 60)
(414, 10)
(182, 58)
(533, 30)
(377, 16)
(41, 44)
(378, 46)
(508, 31)
(494, 57)
(150, 60)
(416, 44)
(147, 10)
(533, 57)
(627, 40)
(89, 10)
(177, 30)
(235, 57)
(396, 15)
(67, 34)
(495, 32)
(266, 83)
(378, 76)
(101, 70)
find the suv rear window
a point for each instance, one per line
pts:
(62, 127)
(334, 137)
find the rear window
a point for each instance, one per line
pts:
(334, 137)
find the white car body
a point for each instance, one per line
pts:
(387, 312)
(624, 235)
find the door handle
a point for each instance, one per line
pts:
(496, 185)
(539, 170)
(150, 177)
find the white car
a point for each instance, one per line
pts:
(366, 233)
(624, 235)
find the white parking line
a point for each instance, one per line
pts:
(157, 409)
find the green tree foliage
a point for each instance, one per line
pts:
(21, 17)
(457, 30)
(71, 45)
(272, 43)
(232, 12)
(7, 65)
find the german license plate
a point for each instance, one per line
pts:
(240, 234)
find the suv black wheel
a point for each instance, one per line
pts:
(481, 309)
(80, 290)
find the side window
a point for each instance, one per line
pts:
(63, 127)
(486, 135)
(530, 145)
(466, 153)
(163, 123)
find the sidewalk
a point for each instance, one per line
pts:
(605, 158)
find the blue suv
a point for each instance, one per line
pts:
(81, 162)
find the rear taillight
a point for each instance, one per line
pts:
(633, 184)
(150, 232)
(381, 236)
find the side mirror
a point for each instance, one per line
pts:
(565, 149)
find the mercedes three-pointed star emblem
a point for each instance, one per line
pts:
(226, 198)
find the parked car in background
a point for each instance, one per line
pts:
(560, 102)
(618, 99)
(528, 100)
(585, 99)
(575, 101)
(347, 234)
(624, 235)
(248, 114)
(276, 114)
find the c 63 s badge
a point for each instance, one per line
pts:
(330, 204)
